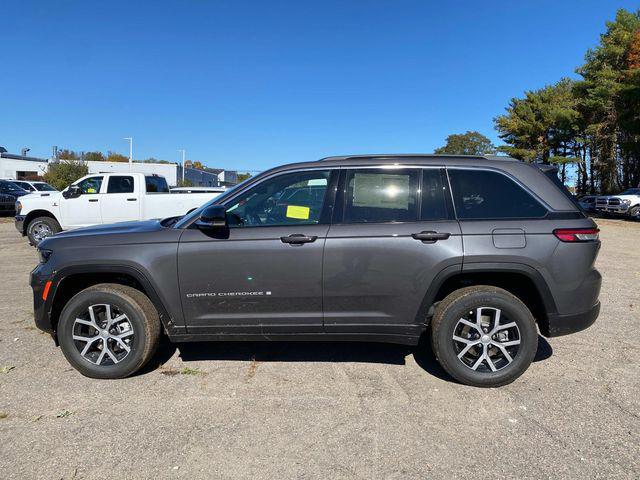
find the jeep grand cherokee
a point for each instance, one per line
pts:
(478, 253)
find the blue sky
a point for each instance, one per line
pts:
(248, 85)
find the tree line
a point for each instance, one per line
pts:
(590, 124)
(96, 156)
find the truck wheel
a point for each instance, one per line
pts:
(109, 331)
(483, 336)
(41, 228)
(634, 212)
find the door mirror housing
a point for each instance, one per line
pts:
(213, 217)
(72, 192)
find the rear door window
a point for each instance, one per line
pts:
(483, 194)
(120, 184)
(381, 195)
(434, 206)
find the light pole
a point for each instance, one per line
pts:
(184, 152)
(130, 151)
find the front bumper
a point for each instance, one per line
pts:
(20, 223)
(41, 307)
(620, 210)
(558, 325)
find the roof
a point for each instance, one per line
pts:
(13, 156)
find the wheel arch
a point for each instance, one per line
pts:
(35, 214)
(521, 280)
(69, 281)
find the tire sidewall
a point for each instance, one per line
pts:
(53, 225)
(512, 309)
(77, 306)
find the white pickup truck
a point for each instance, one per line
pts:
(102, 198)
(625, 203)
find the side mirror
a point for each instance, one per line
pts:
(72, 192)
(213, 217)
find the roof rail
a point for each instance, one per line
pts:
(417, 155)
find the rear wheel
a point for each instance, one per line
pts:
(41, 228)
(483, 336)
(109, 331)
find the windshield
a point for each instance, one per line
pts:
(196, 213)
(10, 187)
(44, 187)
(631, 191)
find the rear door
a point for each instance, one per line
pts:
(393, 233)
(120, 202)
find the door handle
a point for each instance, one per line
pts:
(93, 199)
(430, 237)
(298, 239)
(131, 199)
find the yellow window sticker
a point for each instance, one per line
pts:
(301, 213)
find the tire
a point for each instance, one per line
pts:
(634, 212)
(491, 301)
(40, 228)
(141, 336)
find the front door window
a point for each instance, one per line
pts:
(289, 199)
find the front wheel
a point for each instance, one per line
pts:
(41, 228)
(634, 212)
(484, 336)
(109, 331)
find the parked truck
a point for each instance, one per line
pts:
(626, 203)
(102, 198)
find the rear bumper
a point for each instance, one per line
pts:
(558, 325)
(20, 223)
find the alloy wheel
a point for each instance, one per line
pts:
(103, 335)
(40, 231)
(485, 340)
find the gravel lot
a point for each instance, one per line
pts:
(289, 410)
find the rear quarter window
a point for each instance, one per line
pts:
(484, 194)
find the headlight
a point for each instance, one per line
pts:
(626, 202)
(18, 207)
(44, 255)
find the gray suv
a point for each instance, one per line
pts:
(474, 253)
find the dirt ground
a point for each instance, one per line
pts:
(325, 410)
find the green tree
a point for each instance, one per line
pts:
(541, 125)
(66, 154)
(243, 176)
(93, 157)
(608, 96)
(468, 143)
(65, 172)
(116, 157)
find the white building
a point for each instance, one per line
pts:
(19, 167)
(167, 170)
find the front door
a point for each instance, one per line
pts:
(265, 277)
(394, 231)
(84, 210)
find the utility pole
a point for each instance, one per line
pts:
(130, 152)
(184, 152)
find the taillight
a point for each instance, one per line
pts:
(576, 234)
